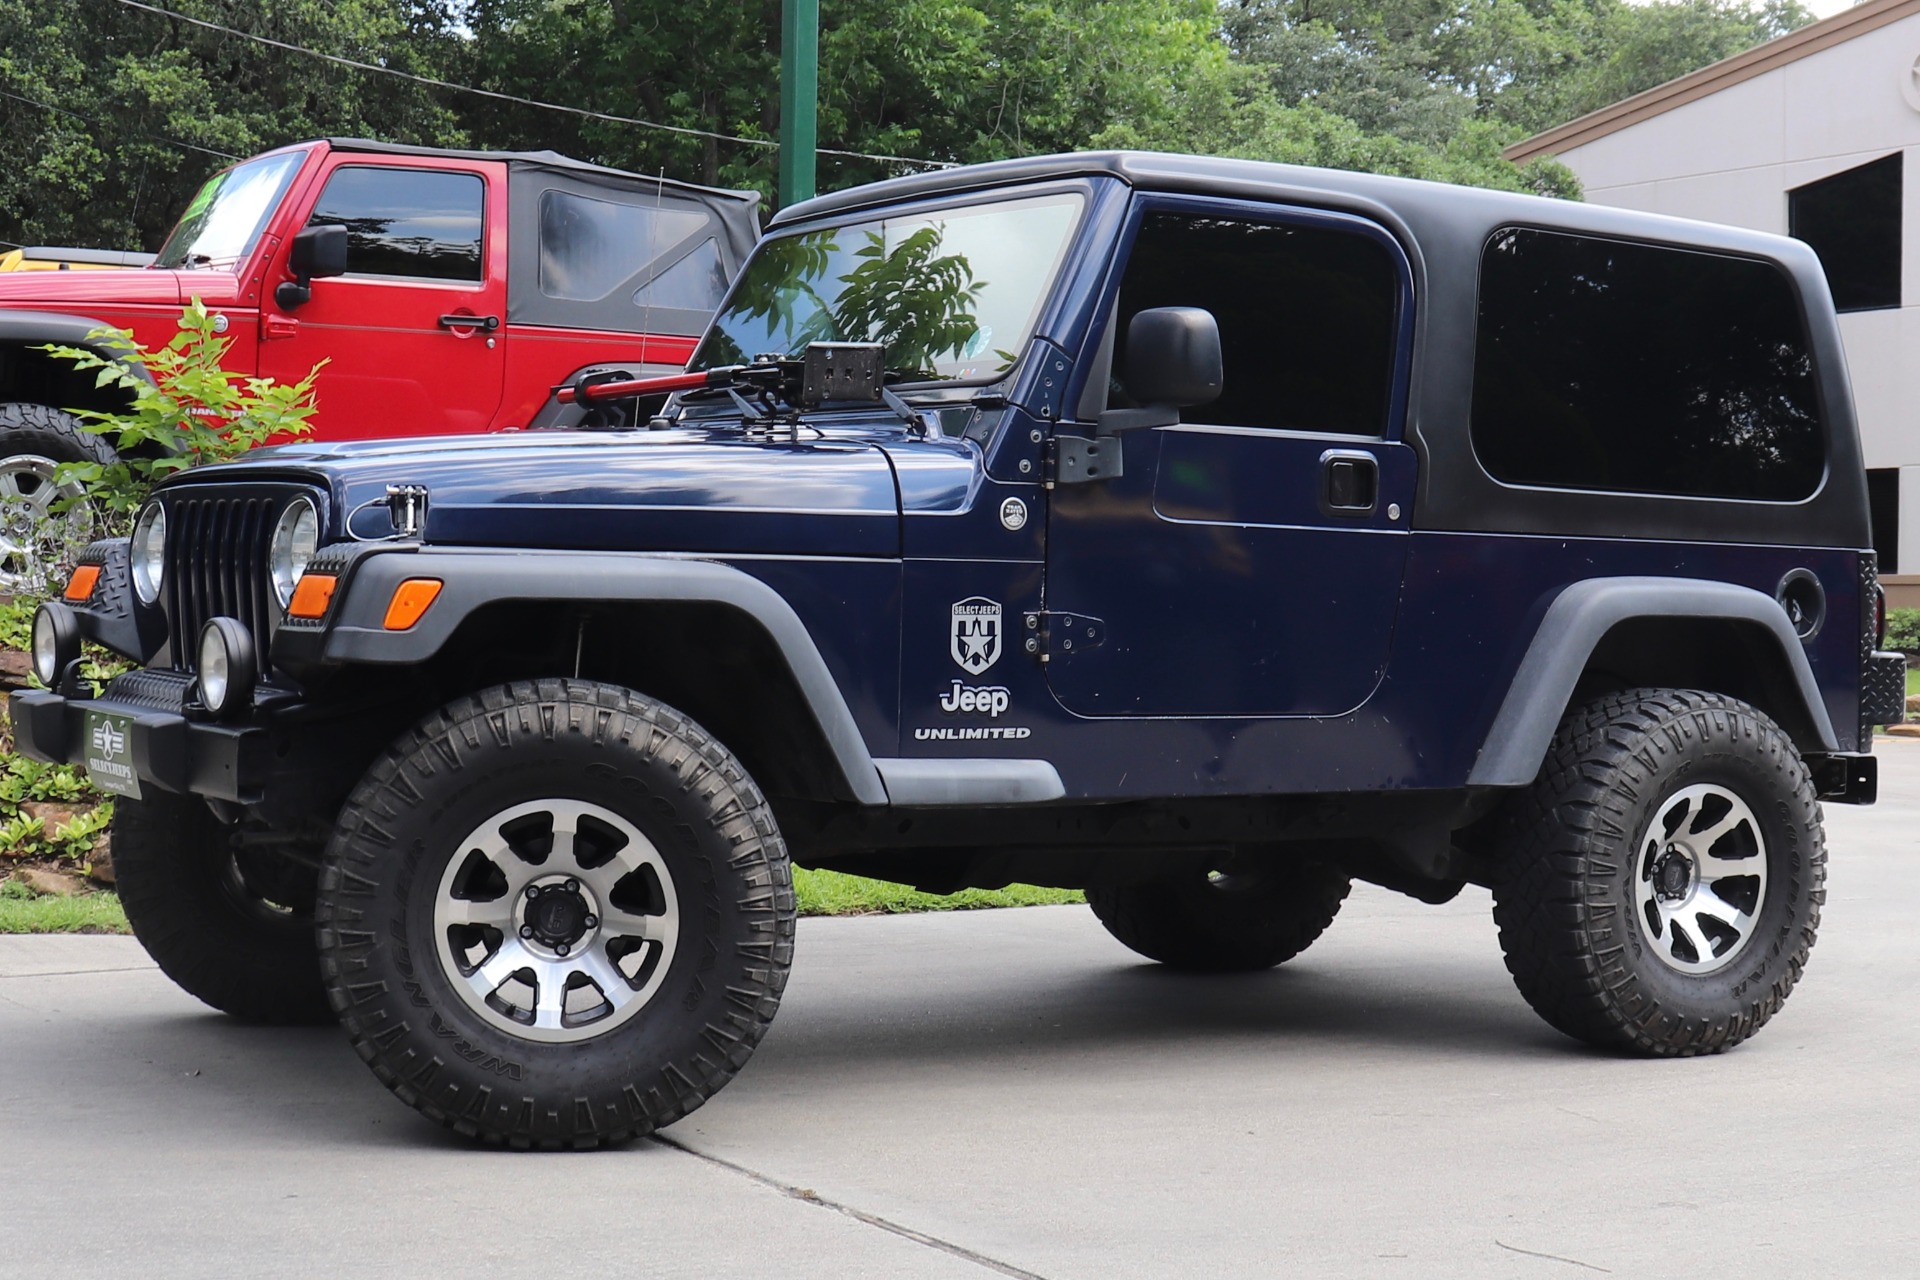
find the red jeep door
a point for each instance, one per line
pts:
(413, 332)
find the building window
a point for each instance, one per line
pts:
(1852, 220)
(1635, 368)
(1883, 501)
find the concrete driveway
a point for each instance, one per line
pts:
(1010, 1092)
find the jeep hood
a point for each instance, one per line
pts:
(718, 493)
(132, 286)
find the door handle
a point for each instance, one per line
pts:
(1349, 482)
(477, 324)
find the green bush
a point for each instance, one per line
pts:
(191, 412)
(1903, 629)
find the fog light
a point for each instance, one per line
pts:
(56, 641)
(227, 665)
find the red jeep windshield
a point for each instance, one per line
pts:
(953, 293)
(220, 227)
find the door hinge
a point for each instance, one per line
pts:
(1062, 634)
(1080, 459)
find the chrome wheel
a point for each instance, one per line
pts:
(556, 920)
(1701, 878)
(35, 543)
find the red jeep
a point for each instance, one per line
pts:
(448, 290)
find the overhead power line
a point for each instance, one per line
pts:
(67, 111)
(509, 97)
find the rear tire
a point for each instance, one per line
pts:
(1660, 884)
(209, 918)
(1251, 917)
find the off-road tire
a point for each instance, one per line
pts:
(1253, 918)
(50, 433)
(396, 841)
(191, 909)
(1576, 944)
(31, 437)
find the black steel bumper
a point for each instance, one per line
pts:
(1883, 689)
(168, 751)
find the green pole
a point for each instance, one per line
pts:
(799, 97)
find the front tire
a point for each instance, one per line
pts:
(1661, 883)
(230, 926)
(37, 543)
(1253, 915)
(556, 914)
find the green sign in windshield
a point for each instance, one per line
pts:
(953, 293)
(219, 228)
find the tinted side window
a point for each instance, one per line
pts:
(407, 222)
(1852, 220)
(1306, 314)
(1602, 364)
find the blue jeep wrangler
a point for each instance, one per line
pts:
(1201, 533)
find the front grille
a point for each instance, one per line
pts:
(217, 548)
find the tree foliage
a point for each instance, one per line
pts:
(1431, 88)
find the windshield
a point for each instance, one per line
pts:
(220, 226)
(952, 293)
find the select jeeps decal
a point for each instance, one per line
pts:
(976, 634)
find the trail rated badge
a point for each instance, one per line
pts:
(976, 634)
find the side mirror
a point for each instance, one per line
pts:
(1173, 363)
(317, 252)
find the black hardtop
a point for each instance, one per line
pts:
(1444, 229)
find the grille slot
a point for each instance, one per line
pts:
(217, 549)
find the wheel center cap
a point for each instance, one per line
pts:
(1673, 875)
(558, 916)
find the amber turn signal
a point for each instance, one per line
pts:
(410, 600)
(81, 584)
(311, 596)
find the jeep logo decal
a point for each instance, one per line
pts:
(976, 634)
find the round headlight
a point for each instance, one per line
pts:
(227, 665)
(295, 538)
(56, 641)
(149, 552)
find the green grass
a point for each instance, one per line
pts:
(820, 893)
(830, 893)
(1913, 681)
(92, 913)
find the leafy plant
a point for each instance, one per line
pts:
(1903, 629)
(189, 413)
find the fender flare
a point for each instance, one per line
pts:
(32, 328)
(1575, 623)
(475, 578)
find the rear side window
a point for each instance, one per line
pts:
(1605, 364)
(1307, 318)
(416, 223)
(591, 248)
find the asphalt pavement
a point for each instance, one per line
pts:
(1013, 1093)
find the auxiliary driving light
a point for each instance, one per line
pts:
(228, 666)
(56, 642)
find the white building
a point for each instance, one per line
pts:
(1808, 135)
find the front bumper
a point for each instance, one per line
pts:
(167, 750)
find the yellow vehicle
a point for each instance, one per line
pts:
(45, 258)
